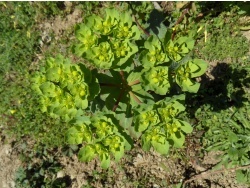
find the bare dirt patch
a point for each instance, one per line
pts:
(9, 163)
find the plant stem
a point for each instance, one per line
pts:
(134, 82)
(109, 85)
(140, 26)
(135, 97)
(184, 12)
(118, 100)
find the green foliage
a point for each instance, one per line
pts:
(41, 170)
(142, 10)
(228, 129)
(105, 123)
(228, 132)
(102, 136)
(160, 126)
(114, 52)
(222, 45)
(64, 88)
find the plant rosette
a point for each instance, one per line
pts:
(159, 124)
(156, 79)
(110, 41)
(100, 136)
(185, 72)
(153, 54)
(178, 48)
(64, 88)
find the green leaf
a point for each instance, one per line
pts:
(137, 94)
(73, 136)
(188, 85)
(48, 89)
(232, 137)
(163, 31)
(202, 67)
(146, 144)
(86, 153)
(242, 176)
(105, 160)
(52, 74)
(119, 154)
(178, 139)
(186, 127)
(94, 89)
(81, 103)
(161, 146)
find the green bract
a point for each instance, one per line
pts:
(154, 54)
(155, 137)
(87, 39)
(101, 56)
(178, 48)
(156, 79)
(189, 70)
(108, 42)
(101, 137)
(144, 116)
(160, 126)
(104, 126)
(79, 133)
(125, 28)
(64, 87)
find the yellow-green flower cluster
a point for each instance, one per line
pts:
(62, 88)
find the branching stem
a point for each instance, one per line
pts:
(118, 100)
(140, 26)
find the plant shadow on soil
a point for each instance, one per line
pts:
(225, 90)
(216, 92)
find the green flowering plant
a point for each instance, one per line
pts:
(160, 125)
(64, 88)
(187, 71)
(109, 42)
(101, 136)
(123, 98)
(178, 48)
(153, 54)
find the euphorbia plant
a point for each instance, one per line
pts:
(124, 96)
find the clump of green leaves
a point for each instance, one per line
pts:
(64, 88)
(132, 73)
(107, 42)
(223, 45)
(228, 132)
(41, 169)
(142, 9)
(102, 136)
(160, 126)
